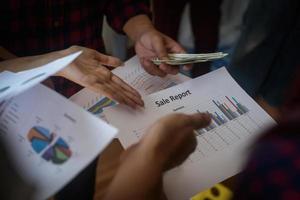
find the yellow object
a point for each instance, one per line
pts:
(218, 192)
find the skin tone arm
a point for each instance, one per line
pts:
(88, 70)
(167, 144)
(150, 43)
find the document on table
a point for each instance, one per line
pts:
(222, 146)
(12, 84)
(50, 139)
(133, 74)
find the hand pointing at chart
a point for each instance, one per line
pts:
(168, 142)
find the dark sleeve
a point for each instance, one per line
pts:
(118, 12)
(273, 170)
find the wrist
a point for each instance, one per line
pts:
(137, 26)
(62, 53)
(153, 154)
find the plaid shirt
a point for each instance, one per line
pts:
(273, 171)
(31, 27)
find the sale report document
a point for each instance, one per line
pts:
(134, 75)
(222, 146)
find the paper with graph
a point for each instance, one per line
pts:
(236, 121)
(133, 74)
(50, 139)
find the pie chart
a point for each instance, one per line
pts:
(40, 138)
(43, 141)
(58, 153)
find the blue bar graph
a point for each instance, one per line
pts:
(224, 113)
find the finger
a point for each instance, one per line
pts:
(106, 91)
(128, 95)
(169, 69)
(151, 68)
(122, 83)
(105, 77)
(200, 120)
(173, 46)
(159, 47)
(130, 92)
(194, 121)
(108, 60)
(125, 99)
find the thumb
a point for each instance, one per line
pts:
(159, 47)
(199, 120)
(179, 121)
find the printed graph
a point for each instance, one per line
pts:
(100, 105)
(43, 142)
(40, 138)
(224, 112)
(58, 153)
(232, 121)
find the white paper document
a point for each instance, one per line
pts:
(12, 84)
(222, 146)
(133, 74)
(50, 139)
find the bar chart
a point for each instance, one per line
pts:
(231, 121)
(224, 113)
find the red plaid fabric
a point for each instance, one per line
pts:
(273, 171)
(31, 27)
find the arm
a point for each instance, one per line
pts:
(88, 70)
(138, 177)
(166, 144)
(17, 64)
(132, 17)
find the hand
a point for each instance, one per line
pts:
(170, 140)
(167, 143)
(152, 44)
(89, 71)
